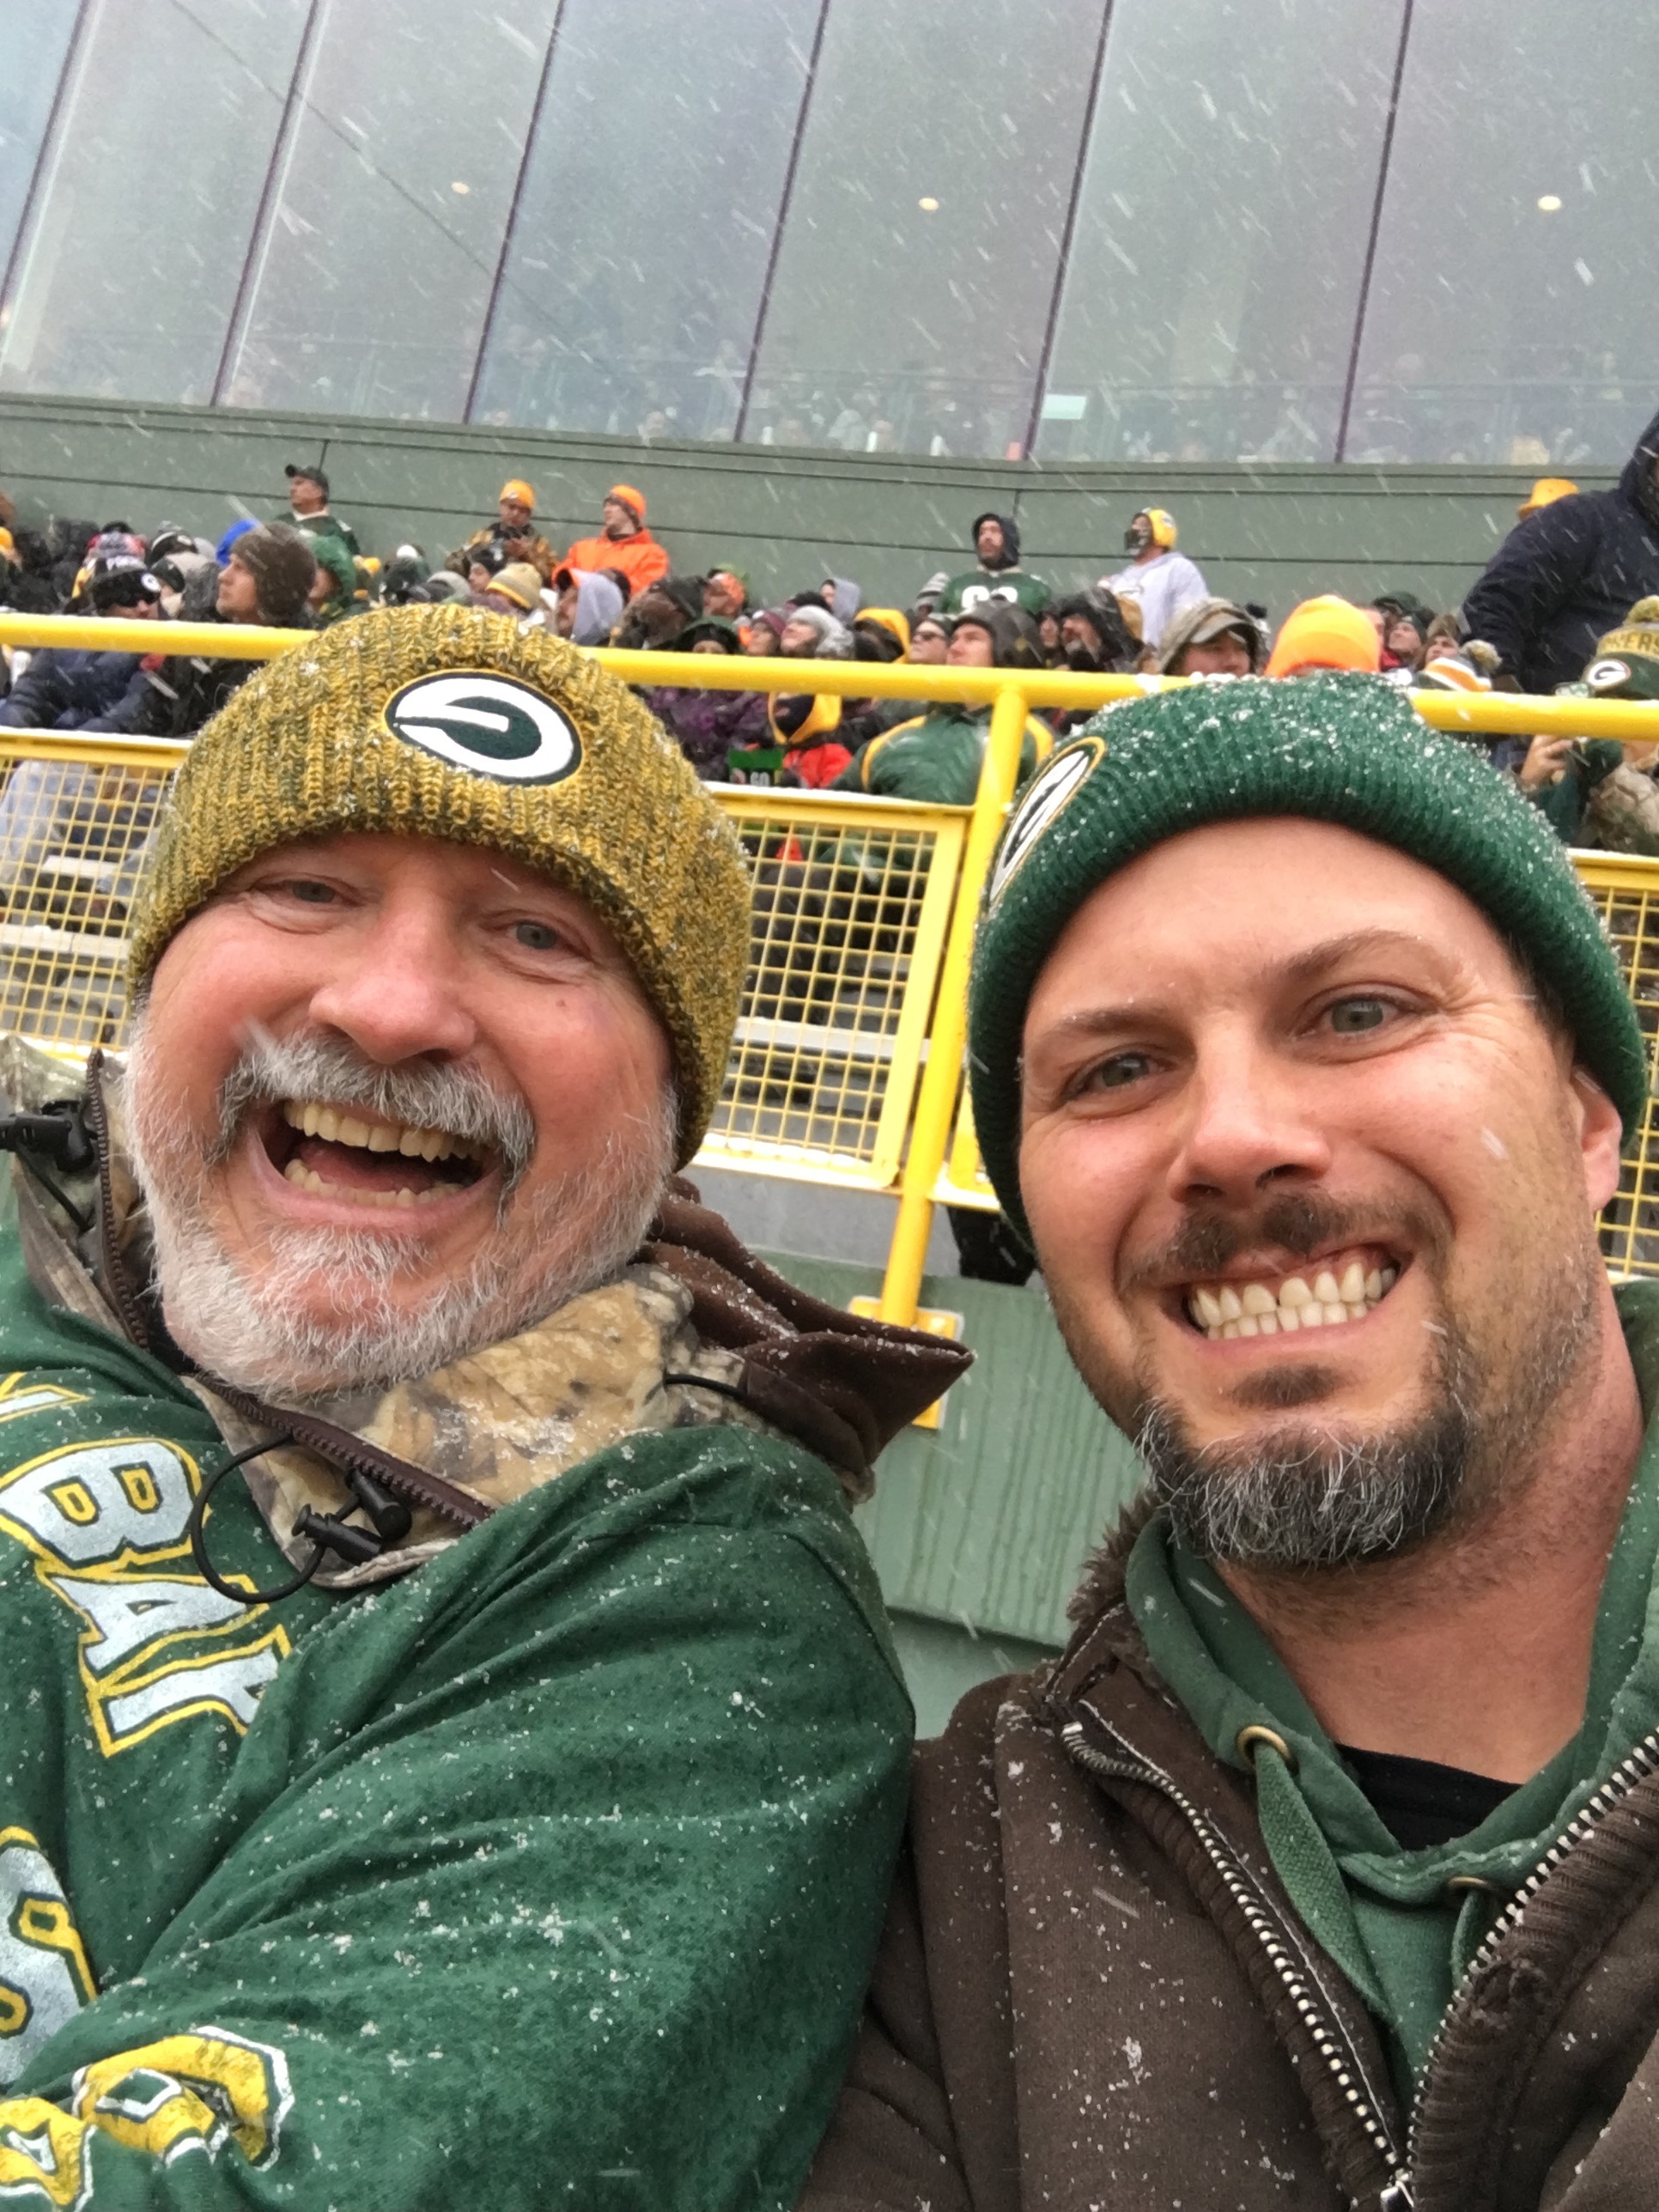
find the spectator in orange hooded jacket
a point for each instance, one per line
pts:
(622, 543)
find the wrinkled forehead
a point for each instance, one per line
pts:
(1237, 907)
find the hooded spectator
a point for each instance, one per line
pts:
(511, 536)
(590, 606)
(174, 572)
(843, 598)
(707, 724)
(623, 543)
(995, 539)
(1212, 637)
(1094, 638)
(881, 634)
(656, 616)
(1161, 581)
(726, 592)
(1569, 572)
(803, 743)
(1325, 632)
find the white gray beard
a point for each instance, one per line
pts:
(318, 1317)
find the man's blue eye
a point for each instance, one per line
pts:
(539, 936)
(311, 894)
(1352, 1016)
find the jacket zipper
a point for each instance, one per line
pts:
(1328, 2035)
(119, 1289)
(414, 1486)
(1641, 1762)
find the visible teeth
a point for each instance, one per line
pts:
(382, 1139)
(1230, 1328)
(351, 1131)
(335, 1125)
(1312, 1315)
(1257, 1299)
(1374, 1285)
(1390, 1277)
(296, 1171)
(1352, 1289)
(1290, 1318)
(1228, 1300)
(1249, 1325)
(1336, 1311)
(409, 1143)
(1267, 1325)
(1209, 1309)
(1295, 1292)
(1325, 1288)
(313, 1115)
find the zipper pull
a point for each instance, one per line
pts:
(1397, 2197)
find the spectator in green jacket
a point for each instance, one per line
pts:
(463, 1754)
(937, 757)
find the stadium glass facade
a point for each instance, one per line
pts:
(1076, 230)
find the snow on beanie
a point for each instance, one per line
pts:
(448, 722)
(1342, 748)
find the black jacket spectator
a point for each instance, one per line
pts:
(66, 687)
(1571, 572)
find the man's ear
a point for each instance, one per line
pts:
(1601, 1135)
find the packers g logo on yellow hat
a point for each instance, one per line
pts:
(491, 725)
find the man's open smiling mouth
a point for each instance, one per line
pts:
(1337, 1288)
(345, 1153)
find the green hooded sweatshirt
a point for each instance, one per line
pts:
(1385, 1913)
(549, 1874)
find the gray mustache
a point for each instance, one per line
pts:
(457, 1098)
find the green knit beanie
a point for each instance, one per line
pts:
(1344, 748)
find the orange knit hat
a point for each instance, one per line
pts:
(520, 492)
(1328, 632)
(628, 497)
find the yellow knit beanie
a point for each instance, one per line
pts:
(445, 722)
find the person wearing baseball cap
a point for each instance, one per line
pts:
(622, 543)
(511, 536)
(1302, 1058)
(1212, 637)
(449, 1646)
(308, 506)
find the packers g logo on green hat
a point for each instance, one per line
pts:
(1048, 794)
(490, 725)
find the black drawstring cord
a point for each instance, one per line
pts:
(357, 1547)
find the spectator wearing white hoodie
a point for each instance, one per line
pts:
(1161, 581)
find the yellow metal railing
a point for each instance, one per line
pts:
(846, 1067)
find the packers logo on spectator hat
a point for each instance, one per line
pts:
(491, 725)
(1047, 797)
(452, 723)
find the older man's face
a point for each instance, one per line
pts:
(392, 1099)
(1306, 1172)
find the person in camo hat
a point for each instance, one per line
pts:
(1319, 1869)
(464, 1753)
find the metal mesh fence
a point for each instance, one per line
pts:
(851, 902)
(1627, 893)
